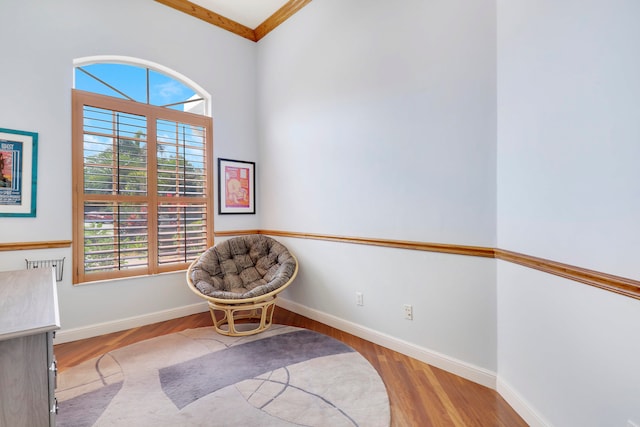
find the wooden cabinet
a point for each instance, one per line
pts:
(28, 319)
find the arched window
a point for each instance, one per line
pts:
(140, 81)
(142, 169)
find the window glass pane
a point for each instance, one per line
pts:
(115, 236)
(181, 159)
(165, 91)
(115, 152)
(139, 84)
(182, 232)
(127, 79)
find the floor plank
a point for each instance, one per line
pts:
(420, 395)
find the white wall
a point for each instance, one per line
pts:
(569, 190)
(569, 350)
(453, 299)
(569, 126)
(39, 41)
(377, 119)
(385, 115)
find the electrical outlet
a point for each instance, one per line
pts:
(408, 311)
(631, 424)
(359, 298)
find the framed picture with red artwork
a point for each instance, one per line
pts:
(236, 187)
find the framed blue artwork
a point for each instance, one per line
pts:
(18, 173)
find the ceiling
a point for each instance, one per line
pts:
(252, 19)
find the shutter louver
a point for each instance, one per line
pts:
(182, 232)
(116, 236)
(115, 152)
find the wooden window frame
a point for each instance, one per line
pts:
(80, 99)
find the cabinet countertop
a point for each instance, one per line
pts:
(28, 302)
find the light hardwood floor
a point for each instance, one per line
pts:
(420, 395)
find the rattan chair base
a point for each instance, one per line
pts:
(227, 324)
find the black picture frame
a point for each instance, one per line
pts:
(236, 187)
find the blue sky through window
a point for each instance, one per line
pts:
(132, 81)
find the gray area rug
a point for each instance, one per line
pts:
(285, 376)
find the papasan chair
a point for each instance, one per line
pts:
(240, 278)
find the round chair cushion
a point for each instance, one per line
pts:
(243, 267)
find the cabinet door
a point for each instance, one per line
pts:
(24, 382)
(53, 379)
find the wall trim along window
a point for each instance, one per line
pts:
(142, 187)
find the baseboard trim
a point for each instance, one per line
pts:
(465, 370)
(520, 405)
(74, 334)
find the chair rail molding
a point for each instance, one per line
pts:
(609, 282)
(620, 285)
(19, 246)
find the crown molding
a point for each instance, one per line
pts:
(281, 15)
(213, 18)
(197, 11)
